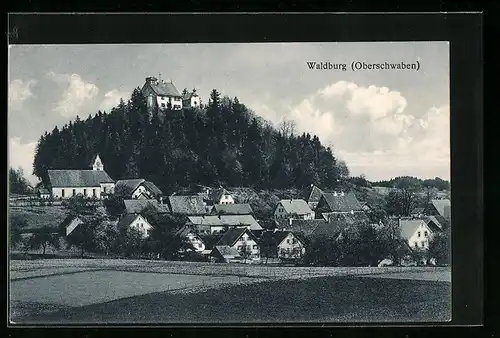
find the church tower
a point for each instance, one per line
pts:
(96, 163)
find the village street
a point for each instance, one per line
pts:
(97, 291)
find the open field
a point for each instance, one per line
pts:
(39, 216)
(157, 291)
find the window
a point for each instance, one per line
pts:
(104, 189)
(200, 246)
(163, 105)
(422, 244)
(418, 234)
(415, 244)
(62, 192)
(288, 241)
(249, 247)
(93, 192)
(426, 234)
(255, 247)
(74, 192)
(84, 192)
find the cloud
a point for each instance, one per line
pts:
(373, 131)
(112, 98)
(19, 92)
(22, 155)
(76, 94)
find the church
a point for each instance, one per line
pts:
(87, 183)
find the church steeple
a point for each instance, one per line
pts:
(96, 163)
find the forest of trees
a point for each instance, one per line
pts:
(221, 143)
(436, 183)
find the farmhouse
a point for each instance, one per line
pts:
(190, 99)
(232, 209)
(281, 244)
(338, 203)
(137, 189)
(293, 209)
(159, 94)
(187, 205)
(417, 232)
(313, 195)
(211, 224)
(135, 221)
(217, 196)
(192, 238)
(94, 183)
(243, 240)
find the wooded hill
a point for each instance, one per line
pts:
(222, 143)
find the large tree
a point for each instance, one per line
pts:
(18, 184)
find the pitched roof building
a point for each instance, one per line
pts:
(160, 94)
(187, 205)
(232, 209)
(338, 203)
(313, 195)
(214, 224)
(137, 188)
(293, 209)
(440, 207)
(137, 206)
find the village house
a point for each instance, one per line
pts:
(210, 224)
(192, 238)
(417, 232)
(313, 195)
(190, 99)
(43, 193)
(187, 205)
(216, 196)
(232, 209)
(293, 209)
(338, 202)
(281, 244)
(243, 240)
(439, 207)
(225, 254)
(137, 189)
(135, 221)
(159, 94)
(93, 183)
(70, 224)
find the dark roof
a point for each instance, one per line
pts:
(227, 251)
(232, 235)
(78, 178)
(165, 89)
(187, 205)
(313, 194)
(436, 223)
(305, 226)
(232, 209)
(127, 187)
(210, 240)
(226, 220)
(347, 217)
(342, 202)
(296, 206)
(153, 188)
(329, 229)
(127, 220)
(136, 206)
(417, 211)
(274, 238)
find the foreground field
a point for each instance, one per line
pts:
(114, 291)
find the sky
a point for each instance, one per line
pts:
(382, 123)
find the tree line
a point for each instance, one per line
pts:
(222, 143)
(436, 183)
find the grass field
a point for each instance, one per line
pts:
(114, 291)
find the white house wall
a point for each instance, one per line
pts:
(226, 199)
(141, 189)
(248, 241)
(420, 238)
(290, 243)
(142, 225)
(68, 192)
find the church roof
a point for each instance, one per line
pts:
(165, 89)
(78, 178)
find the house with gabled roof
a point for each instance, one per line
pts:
(135, 221)
(441, 207)
(213, 196)
(338, 202)
(88, 183)
(243, 240)
(160, 94)
(187, 205)
(43, 193)
(226, 254)
(190, 236)
(293, 209)
(137, 189)
(312, 196)
(232, 209)
(417, 232)
(285, 245)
